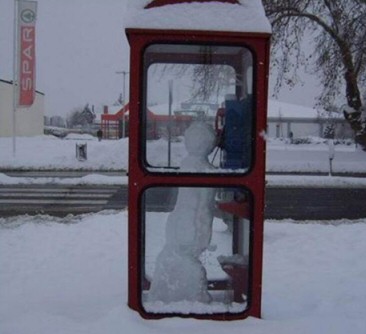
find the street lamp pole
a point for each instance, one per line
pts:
(124, 84)
(124, 100)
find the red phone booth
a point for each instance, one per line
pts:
(199, 72)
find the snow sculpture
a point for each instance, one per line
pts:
(179, 274)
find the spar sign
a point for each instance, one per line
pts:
(27, 12)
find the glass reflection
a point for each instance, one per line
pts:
(189, 83)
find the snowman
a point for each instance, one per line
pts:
(179, 274)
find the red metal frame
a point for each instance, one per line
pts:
(140, 178)
(110, 122)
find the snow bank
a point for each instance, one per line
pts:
(313, 158)
(314, 181)
(88, 179)
(80, 136)
(69, 275)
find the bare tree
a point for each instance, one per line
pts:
(338, 29)
(81, 117)
(208, 81)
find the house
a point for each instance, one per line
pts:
(115, 125)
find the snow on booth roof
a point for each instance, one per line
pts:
(243, 16)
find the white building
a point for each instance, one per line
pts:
(300, 121)
(29, 121)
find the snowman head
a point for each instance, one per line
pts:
(199, 139)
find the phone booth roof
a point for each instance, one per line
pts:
(205, 15)
(159, 3)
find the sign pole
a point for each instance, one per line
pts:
(170, 121)
(124, 102)
(15, 72)
(25, 13)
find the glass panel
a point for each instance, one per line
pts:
(195, 250)
(189, 84)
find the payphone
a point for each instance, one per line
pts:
(233, 125)
(196, 216)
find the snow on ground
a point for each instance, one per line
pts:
(315, 181)
(88, 179)
(49, 152)
(313, 158)
(69, 275)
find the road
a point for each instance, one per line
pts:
(315, 203)
(295, 202)
(58, 200)
(81, 173)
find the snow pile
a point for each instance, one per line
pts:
(79, 136)
(70, 276)
(249, 16)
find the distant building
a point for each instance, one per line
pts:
(29, 121)
(46, 120)
(287, 120)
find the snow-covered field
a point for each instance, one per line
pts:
(69, 275)
(49, 152)
(313, 157)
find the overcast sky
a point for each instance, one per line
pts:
(80, 46)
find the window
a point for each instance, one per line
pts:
(208, 85)
(196, 249)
